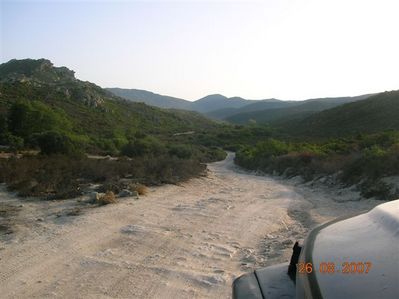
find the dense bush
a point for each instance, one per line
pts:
(271, 148)
(181, 151)
(3, 127)
(28, 117)
(51, 142)
(14, 142)
(363, 160)
(143, 146)
(373, 163)
(232, 137)
(60, 176)
(376, 188)
(262, 154)
(211, 154)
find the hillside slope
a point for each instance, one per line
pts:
(251, 106)
(374, 114)
(84, 111)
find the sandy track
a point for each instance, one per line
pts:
(187, 241)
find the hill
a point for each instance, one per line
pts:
(209, 105)
(53, 99)
(274, 112)
(374, 114)
(217, 101)
(150, 98)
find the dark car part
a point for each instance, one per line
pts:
(269, 282)
(292, 267)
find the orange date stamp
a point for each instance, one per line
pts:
(334, 268)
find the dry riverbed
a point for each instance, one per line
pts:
(186, 241)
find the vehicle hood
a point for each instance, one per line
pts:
(372, 237)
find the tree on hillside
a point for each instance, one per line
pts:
(51, 142)
(26, 118)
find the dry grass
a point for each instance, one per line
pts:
(107, 198)
(141, 189)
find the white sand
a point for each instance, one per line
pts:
(187, 241)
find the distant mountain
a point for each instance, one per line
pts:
(272, 112)
(238, 110)
(150, 98)
(374, 114)
(217, 101)
(204, 105)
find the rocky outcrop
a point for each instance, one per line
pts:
(42, 73)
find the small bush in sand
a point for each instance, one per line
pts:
(141, 189)
(107, 198)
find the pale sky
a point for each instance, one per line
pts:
(286, 49)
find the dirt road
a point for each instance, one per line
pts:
(187, 241)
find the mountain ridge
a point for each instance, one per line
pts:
(296, 109)
(237, 109)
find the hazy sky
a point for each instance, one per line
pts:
(287, 49)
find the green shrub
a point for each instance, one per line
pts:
(108, 146)
(14, 142)
(359, 159)
(336, 146)
(146, 146)
(375, 188)
(271, 148)
(213, 154)
(181, 151)
(3, 128)
(56, 143)
(28, 117)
